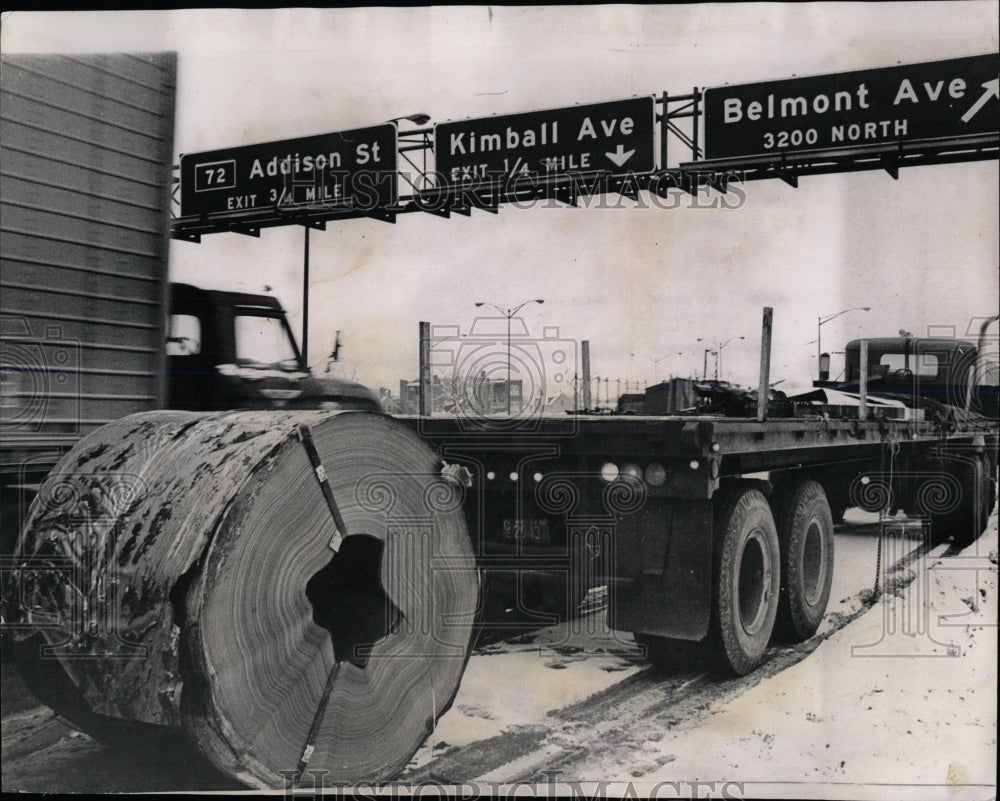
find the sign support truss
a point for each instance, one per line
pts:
(704, 138)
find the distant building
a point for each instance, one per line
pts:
(631, 403)
(559, 403)
(669, 397)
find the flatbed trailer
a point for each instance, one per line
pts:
(706, 528)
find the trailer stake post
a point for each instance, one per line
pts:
(863, 383)
(763, 386)
(424, 389)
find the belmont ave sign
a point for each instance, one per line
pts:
(614, 137)
(938, 99)
(348, 170)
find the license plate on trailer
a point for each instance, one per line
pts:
(532, 531)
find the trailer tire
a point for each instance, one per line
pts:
(805, 537)
(746, 583)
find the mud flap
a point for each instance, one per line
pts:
(664, 575)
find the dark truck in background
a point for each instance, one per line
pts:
(956, 372)
(93, 364)
(951, 380)
(234, 350)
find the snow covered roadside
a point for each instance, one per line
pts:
(900, 703)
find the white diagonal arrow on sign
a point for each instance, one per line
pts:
(620, 156)
(992, 90)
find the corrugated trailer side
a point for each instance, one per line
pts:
(86, 145)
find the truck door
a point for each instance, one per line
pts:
(190, 348)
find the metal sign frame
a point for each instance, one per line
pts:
(680, 165)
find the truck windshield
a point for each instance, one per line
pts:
(892, 365)
(264, 341)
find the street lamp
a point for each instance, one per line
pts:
(825, 319)
(416, 119)
(718, 354)
(508, 314)
(656, 361)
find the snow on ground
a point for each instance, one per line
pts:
(518, 682)
(901, 703)
(898, 703)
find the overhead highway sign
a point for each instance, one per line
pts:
(614, 138)
(932, 100)
(348, 170)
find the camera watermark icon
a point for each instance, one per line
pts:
(39, 378)
(956, 365)
(501, 379)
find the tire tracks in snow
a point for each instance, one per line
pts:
(632, 712)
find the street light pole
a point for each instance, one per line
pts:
(819, 333)
(656, 362)
(508, 366)
(509, 313)
(718, 355)
(718, 358)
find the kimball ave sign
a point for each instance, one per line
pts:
(933, 100)
(615, 138)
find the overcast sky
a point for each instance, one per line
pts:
(921, 251)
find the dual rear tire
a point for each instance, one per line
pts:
(747, 575)
(805, 533)
(771, 571)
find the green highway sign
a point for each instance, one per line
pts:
(348, 170)
(614, 138)
(932, 100)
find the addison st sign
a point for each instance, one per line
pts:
(342, 170)
(939, 99)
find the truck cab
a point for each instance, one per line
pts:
(955, 372)
(233, 350)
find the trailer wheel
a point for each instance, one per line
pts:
(805, 536)
(747, 575)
